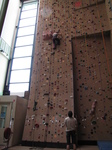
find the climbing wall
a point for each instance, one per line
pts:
(93, 83)
(109, 10)
(52, 92)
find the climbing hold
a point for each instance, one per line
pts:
(92, 111)
(37, 125)
(35, 104)
(93, 122)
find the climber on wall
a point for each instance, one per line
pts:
(56, 39)
(56, 36)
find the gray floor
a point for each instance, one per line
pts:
(38, 148)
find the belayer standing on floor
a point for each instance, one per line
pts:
(71, 127)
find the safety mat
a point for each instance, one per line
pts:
(105, 145)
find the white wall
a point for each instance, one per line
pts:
(3, 69)
(8, 34)
(11, 21)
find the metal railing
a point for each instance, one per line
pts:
(4, 48)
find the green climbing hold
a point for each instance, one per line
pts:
(59, 115)
(94, 122)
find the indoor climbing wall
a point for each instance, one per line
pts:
(109, 11)
(93, 91)
(52, 91)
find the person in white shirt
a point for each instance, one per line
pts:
(71, 126)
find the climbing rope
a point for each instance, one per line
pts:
(37, 72)
(104, 44)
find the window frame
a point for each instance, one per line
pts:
(33, 44)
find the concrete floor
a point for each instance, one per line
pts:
(38, 148)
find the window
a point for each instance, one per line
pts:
(3, 116)
(24, 44)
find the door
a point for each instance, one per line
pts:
(5, 116)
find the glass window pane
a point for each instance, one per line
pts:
(23, 51)
(29, 13)
(21, 63)
(26, 31)
(29, 6)
(18, 89)
(26, 40)
(20, 76)
(3, 116)
(27, 22)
